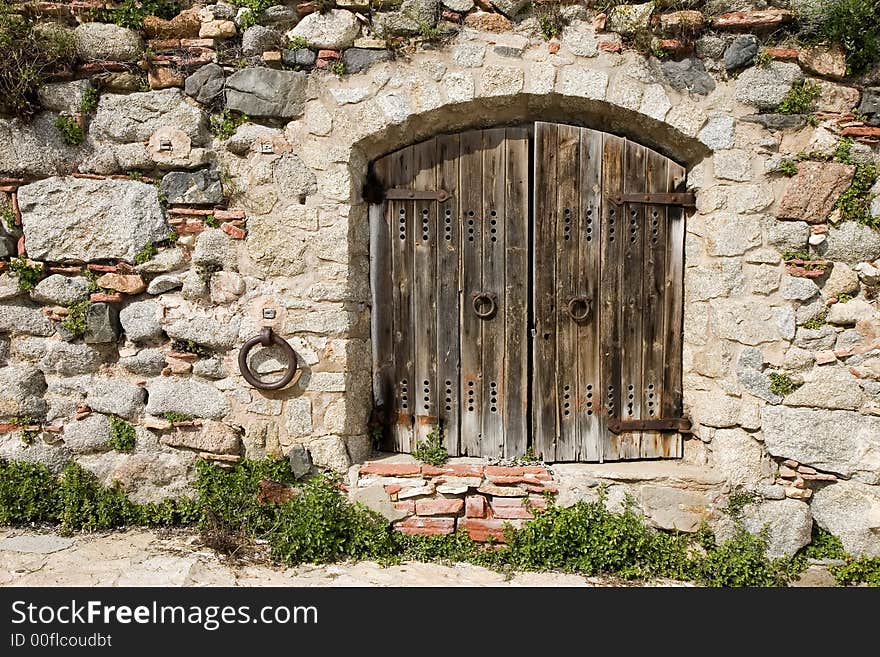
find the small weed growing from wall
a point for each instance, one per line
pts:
(211, 221)
(223, 125)
(782, 384)
(432, 450)
(800, 98)
(71, 132)
(75, 322)
(843, 151)
(7, 216)
(338, 68)
(762, 59)
(122, 435)
(550, 20)
(738, 500)
(174, 416)
(852, 24)
(844, 298)
(816, 322)
(145, 254)
(191, 347)
(788, 168)
(296, 43)
(864, 570)
(28, 272)
(28, 433)
(131, 13)
(89, 102)
(854, 202)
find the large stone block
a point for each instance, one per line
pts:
(740, 458)
(135, 117)
(219, 336)
(267, 92)
(851, 243)
(812, 193)
(750, 321)
(335, 29)
(21, 392)
(76, 219)
(765, 87)
(19, 317)
(789, 525)
(850, 511)
(843, 442)
(35, 148)
(185, 396)
(107, 42)
(116, 398)
(732, 234)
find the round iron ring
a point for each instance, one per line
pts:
(479, 300)
(267, 338)
(576, 303)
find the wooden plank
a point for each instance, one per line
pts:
(590, 184)
(631, 302)
(611, 262)
(424, 300)
(654, 300)
(493, 342)
(402, 224)
(381, 325)
(471, 195)
(566, 284)
(544, 408)
(448, 292)
(516, 277)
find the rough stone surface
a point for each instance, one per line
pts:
(294, 178)
(740, 457)
(718, 133)
(749, 322)
(20, 317)
(674, 508)
(116, 398)
(89, 435)
(140, 321)
(765, 87)
(357, 60)
(851, 312)
(798, 289)
(789, 235)
(376, 499)
(812, 193)
(63, 96)
(300, 461)
(214, 437)
(195, 188)
(334, 30)
(21, 391)
(841, 280)
(266, 92)
(205, 331)
(70, 359)
(851, 243)
(61, 290)
(188, 397)
(789, 522)
(39, 544)
(741, 51)
(206, 83)
(75, 219)
(135, 117)
(850, 511)
(730, 234)
(107, 42)
(257, 39)
(629, 19)
(841, 442)
(147, 362)
(832, 390)
(688, 75)
(102, 324)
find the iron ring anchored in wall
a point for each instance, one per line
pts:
(579, 308)
(484, 304)
(267, 338)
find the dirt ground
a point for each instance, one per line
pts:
(178, 558)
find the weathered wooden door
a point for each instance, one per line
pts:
(527, 292)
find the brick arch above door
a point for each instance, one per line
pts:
(528, 294)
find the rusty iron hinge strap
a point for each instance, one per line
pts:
(686, 199)
(399, 194)
(666, 424)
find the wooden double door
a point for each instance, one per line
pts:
(527, 294)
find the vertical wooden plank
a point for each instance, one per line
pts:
(674, 309)
(653, 317)
(494, 219)
(424, 299)
(448, 293)
(632, 306)
(381, 299)
(402, 227)
(566, 284)
(544, 407)
(611, 257)
(590, 235)
(471, 228)
(516, 274)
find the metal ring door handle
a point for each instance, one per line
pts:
(266, 338)
(579, 308)
(480, 300)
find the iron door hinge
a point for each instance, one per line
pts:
(685, 199)
(399, 194)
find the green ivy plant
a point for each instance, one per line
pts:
(28, 272)
(854, 203)
(432, 450)
(174, 416)
(852, 24)
(131, 13)
(145, 254)
(71, 132)
(782, 384)
(800, 98)
(89, 102)
(75, 322)
(122, 434)
(224, 124)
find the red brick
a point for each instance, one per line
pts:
(786, 54)
(752, 19)
(22, 249)
(439, 507)
(432, 470)
(541, 489)
(554, 46)
(393, 489)
(502, 508)
(390, 469)
(610, 46)
(485, 530)
(535, 469)
(234, 232)
(100, 297)
(532, 479)
(537, 501)
(475, 506)
(861, 131)
(504, 471)
(8, 427)
(426, 526)
(409, 506)
(464, 470)
(329, 54)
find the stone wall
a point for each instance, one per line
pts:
(162, 242)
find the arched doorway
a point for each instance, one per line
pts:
(527, 292)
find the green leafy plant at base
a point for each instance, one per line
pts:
(89, 102)
(224, 124)
(824, 545)
(146, 254)
(71, 132)
(23, 493)
(843, 151)
(174, 416)
(28, 272)
(852, 24)
(782, 384)
(864, 570)
(122, 435)
(75, 322)
(7, 216)
(432, 450)
(788, 168)
(800, 98)
(854, 203)
(816, 322)
(131, 13)
(742, 561)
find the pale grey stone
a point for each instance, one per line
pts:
(294, 178)
(795, 288)
(731, 234)
(206, 84)
(789, 525)
(460, 6)
(357, 60)
(64, 97)
(31, 349)
(771, 492)
(210, 368)
(19, 317)
(36, 543)
(580, 38)
(376, 499)
(510, 8)
(60, 290)
(765, 87)
(147, 362)
(334, 30)
(848, 339)
(797, 359)
(789, 235)
(219, 336)
(116, 397)
(77, 219)
(55, 457)
(850, 511)
(214, 250)
(830, 388)
(140, 321)
(298, 417)
(843, 442)
(91, 434)
(330, 452)
(135, 117)
(842, 280)
(162, 284)
(586, 83)
(267, 92)
(193, 188)
(712, 409)
(672, 508)
(816, 339)
(257, 39)
(469, 54)
(748, 321)
(35, 148)
(185, 396)
(69, 359)
(627, 20)
(249, 134)
(740, 458)
(501, 81)
(851, 313)
(21, 391)
(718, 132)
(734, 165)
(102, 324)
(851, 243)
(719, 278)
(107, 42)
